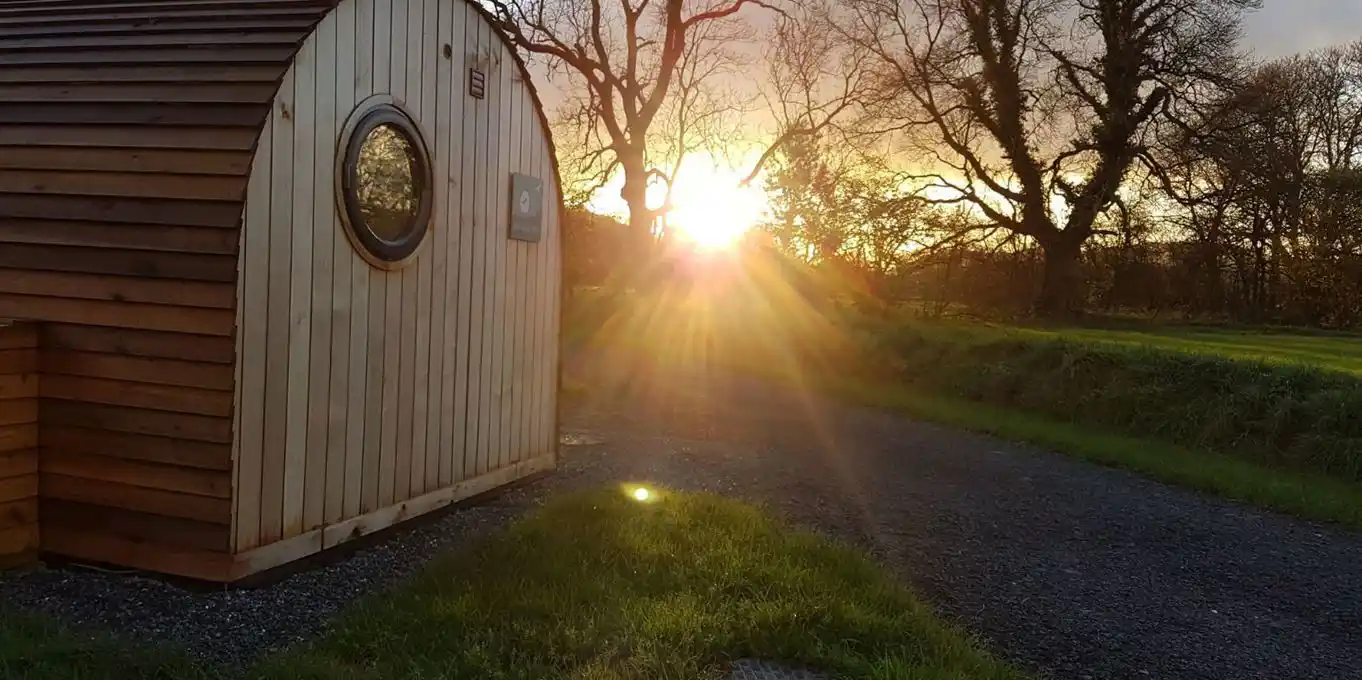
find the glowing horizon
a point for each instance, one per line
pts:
(710, 207)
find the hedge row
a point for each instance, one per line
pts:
(1288, 416)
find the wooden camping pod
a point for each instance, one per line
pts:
(223, 377)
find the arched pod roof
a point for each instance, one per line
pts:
(127, 133)
(139, 116)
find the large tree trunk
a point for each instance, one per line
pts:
(637, 255)
(1062, 291)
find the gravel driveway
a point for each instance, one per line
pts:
(1071, 570)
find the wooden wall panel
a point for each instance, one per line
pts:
(454, 381)
(425, 435)
(523, 365)
(19, 384)
(301, 285)
(173, 532)
(365, 400)
(338, 85)
(477, 176)
(549, 308)
(405, 69)
(465, 404)
(390, 28)
(128, 446)
(437, 102)
(361, 388)
(501, 277)
(125, 155)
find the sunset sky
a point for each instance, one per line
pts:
(1284, 27)
(712, 207)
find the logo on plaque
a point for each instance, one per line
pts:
(527, 200)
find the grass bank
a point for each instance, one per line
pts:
(1282, 415)
(593, 586)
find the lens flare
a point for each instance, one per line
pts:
(641, 494)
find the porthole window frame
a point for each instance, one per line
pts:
(378, 252)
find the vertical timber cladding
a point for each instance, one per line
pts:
(126, 133)
(368, 394)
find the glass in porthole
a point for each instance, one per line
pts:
(387, 189)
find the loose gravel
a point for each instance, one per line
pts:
(1068, 569)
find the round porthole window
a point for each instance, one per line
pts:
(386, 185)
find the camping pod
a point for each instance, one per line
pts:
(277, 274)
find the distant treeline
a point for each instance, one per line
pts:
(1229, 279)
(1253, 216)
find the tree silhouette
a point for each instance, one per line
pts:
(1022, 106)
(650, 81)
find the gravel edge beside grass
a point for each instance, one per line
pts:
(233, 627)
(1304, 495)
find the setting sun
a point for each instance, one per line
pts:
(712, 208)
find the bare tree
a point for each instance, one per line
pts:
(652, 81)
(631, 64)
(1264, 179)
(1033, 112)
(813, 78)
(1335, 85)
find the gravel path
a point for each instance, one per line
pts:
(1071, 570)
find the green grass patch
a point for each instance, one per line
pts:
(36, 648)
(595, 585)
(1334, 351)
(599, 585)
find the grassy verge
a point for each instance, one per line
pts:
(599, 585)
(1305, 495)
(1285, 416)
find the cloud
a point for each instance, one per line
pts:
(1285, 27)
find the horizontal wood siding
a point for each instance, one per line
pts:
(19, 528)
(361, 389)
(127, 129)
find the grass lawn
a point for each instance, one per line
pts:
(592, 586)
(36, 648)
(1339, 352)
